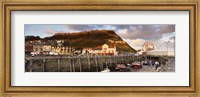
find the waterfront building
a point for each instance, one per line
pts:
(105, 49)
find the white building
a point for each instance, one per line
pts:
(106, 49)
(41, 48)
(61, 49)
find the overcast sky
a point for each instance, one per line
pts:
(161, 35)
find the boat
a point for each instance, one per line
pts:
(122, 68)
(106, 70)
(136, 65)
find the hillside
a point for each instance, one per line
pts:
(32, 38)
(92, 38)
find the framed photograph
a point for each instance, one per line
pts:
(100, 48)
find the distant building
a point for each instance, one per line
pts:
(41, 48)
(146, 47)
(106, 49)
(149, 49)
(60, 42)
(59, 47)
(86, 50)
(48, 47)
(62, 49)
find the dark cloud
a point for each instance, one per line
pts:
(122, 26)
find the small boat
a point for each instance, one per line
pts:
(106, 70)
(145, 63)
(136, 65)
(120, 66)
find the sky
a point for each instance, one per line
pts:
(161, 35)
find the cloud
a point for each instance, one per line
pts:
(134, 34)
(86, 27)
(148, 32)
(135, 43)
(78, 27)
(138, 42)
(49, 31)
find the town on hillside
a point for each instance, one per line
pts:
(59, 47)
(93, 51)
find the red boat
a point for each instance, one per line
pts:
(120, 66)
(136, 65)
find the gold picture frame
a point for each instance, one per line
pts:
(119, 5)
